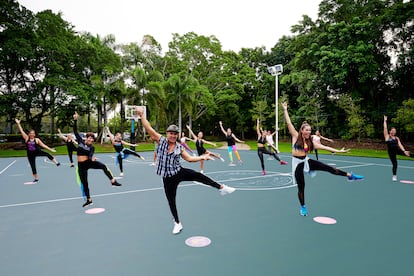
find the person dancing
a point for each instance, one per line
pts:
(169, 153)
(394, 146)
(231, 144)
(87, 160)
(183, 141)
(33, 146)
(270, 142)
(301, 163)
(199, 141)
(122, 153)
(70, 145)
(316, 139)
(261, 149)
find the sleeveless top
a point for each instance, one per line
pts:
(200, 147)
(83, 149)
(261, 140)
(70, 145)
(32, 146)
(392, 144)
(118, 146)
(230, 140)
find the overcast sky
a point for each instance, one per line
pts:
(236, 23)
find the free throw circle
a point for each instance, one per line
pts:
(197, 241)
(94, 211)
(324, 220)
(407, 181)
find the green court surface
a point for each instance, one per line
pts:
(257, 230)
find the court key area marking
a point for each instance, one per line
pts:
(198, 241)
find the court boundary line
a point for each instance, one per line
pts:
(8, 166)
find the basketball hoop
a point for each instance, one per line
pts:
(130, 112)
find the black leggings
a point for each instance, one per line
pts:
(120, 155)
(83, 168)
(31, 156)
(263, 150)
(314, 165)
(70, 153)
(393, 157)
(171, 185)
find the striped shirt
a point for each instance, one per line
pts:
(168, 164)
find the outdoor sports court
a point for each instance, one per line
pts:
(257, 230)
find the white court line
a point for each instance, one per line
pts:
(356, 166)
(8, 166)
(76, 198)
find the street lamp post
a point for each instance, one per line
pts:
(276, 70)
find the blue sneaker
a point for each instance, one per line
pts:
(355, 177)
(303, 211)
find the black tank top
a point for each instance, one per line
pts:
(230, 140)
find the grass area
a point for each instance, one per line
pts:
(283, 146)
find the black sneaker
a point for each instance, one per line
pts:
(88, 202)
(58, 164)
(116, 183)
(72, 166)
(36, 180)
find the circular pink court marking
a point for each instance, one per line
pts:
(198, 241)
(324, 220)
(29, 183)
(407, 181)
(94, 211)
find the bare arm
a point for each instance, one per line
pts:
(191, 132)
(222, 128)
(259, 133)
(386, 135)
(210, 143)
(128, 144)
(187, 157)
(155, 136)
(43, 145)
(291, 128)
(63, 137)
(236, 139)
(320, 146)
(406, 152)
(24, 135)
(326, 139)
(111, 136)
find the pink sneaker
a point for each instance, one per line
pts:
(263, 172)
(283, 162)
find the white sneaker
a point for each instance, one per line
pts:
(121, 174)
(394, 178)
(152, 164)
(202, 171)
(226, 190)
(177, 228)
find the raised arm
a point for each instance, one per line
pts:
(63, 137)
(155, 136)
(191, 132)
(222, 128)
(24, 135)
(259, 133)
(210, 143)
(386, 135)
(291, 128)
(111, 136)
(75, 128)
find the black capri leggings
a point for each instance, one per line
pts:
(314, 165)
(31, 156)
(83, 168)
(171, 185)
(263, 150)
